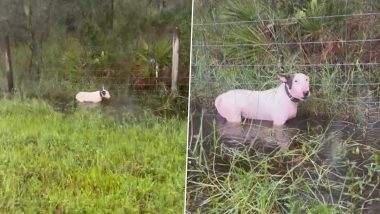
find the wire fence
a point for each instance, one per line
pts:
(124, 79)
(320, 65)
(288, 20)
(288, 43)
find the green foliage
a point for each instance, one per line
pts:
(87, 163)
(157, 53)
(246, 10)
(319, 28)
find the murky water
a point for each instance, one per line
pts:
(130, 104)
(343, 143)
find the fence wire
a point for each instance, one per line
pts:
(288, 43)
(286, 20)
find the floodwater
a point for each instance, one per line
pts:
(132, 104)
(335, 150)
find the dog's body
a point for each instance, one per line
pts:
(92, 97)
(277, 104)
(260, 105)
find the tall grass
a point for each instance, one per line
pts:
(87, 163)
(245, 44)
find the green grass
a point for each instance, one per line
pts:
(87, 163)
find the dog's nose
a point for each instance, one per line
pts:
(306, 93)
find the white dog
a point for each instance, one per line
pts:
(276, 104)
(92, 97)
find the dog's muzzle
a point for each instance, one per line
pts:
(306, 94)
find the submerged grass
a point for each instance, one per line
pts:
(309, 178)
(87, 163)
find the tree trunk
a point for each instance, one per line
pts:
(105, 21)
(111, 14)
(35, 60)
(46, 31)
(175, 60)
(8, 65)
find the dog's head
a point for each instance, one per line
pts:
(105, 94)
(298, 85)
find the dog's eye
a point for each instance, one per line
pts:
(295, 80)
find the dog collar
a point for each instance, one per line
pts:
(293, 99)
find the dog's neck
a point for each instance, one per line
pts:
(101, 95)
(293, 99)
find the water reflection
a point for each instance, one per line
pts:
(254, 133)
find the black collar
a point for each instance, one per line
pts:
(293, 99)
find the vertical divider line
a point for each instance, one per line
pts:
(188, 106)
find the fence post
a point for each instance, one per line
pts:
(8, 65)
(175, 59)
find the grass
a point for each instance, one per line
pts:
(84, 162)
(309, 178)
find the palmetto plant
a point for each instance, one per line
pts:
(154, 56)
(244, 10)
(252, 35)
(312, 25)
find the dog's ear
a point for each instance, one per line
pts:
(287, 79)
(284, 78)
